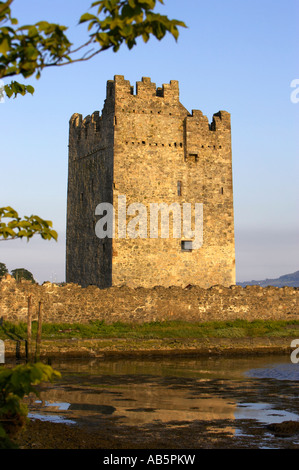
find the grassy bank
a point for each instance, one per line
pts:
(237, 337)
(157, 330)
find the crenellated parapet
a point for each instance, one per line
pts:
(85, 135)
(197, 121)
(202, 137)
(82, 127)
(221, 122)
(145, 89)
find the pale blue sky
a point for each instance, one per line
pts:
(237, 56)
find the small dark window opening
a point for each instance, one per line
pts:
(221, 191)
(115, 121)
(186, 245)
(179, 188)
(81, 197)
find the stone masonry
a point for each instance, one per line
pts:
(148, 147)
(73, 304)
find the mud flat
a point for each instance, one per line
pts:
(167, 403)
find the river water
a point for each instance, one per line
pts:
(200, 402)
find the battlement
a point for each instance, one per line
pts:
(77, 120)
(220, 121)
(120, 88)
(120, 91)
(82, 128)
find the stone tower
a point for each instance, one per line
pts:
(147, 147)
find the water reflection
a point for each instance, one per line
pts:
(172, 392)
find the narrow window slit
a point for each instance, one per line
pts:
(179, 188)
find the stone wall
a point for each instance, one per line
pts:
(72, 303)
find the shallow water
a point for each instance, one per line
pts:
(280, 371)
(238, 397)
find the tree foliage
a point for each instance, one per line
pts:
(22, 273)
(16, 227)
(15, 383)
(3, 270)
(27, 50)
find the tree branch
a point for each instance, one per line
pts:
(81, 59)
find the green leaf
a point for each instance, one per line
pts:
(87, 17)
(8, 91)
(4, 46)
(30, 89)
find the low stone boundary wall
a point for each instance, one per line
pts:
(71, 303)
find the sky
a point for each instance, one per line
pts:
(236, 56)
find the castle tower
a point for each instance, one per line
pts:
(147, 148)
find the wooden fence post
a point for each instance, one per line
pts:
(29, 329)
(39, 331)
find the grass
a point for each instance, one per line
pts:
(156, 330)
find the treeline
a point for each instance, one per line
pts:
(18, 274)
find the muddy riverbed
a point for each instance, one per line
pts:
(181, 403)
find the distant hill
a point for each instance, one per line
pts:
(291, 280)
